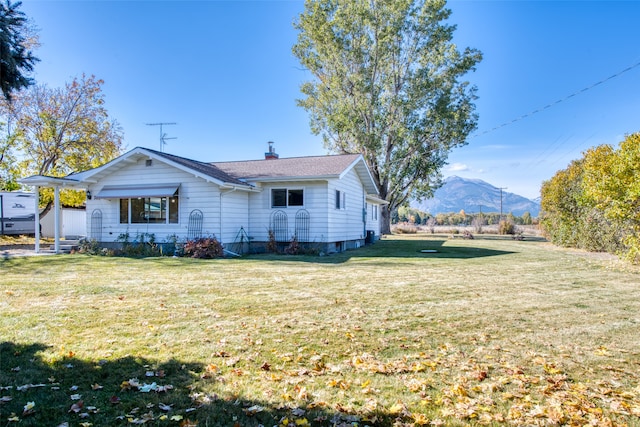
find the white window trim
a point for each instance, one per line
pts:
(168, 207)
(287, 189)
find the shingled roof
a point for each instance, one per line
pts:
(240, 173)
(208, 169)
(289, 168)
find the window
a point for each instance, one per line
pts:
(341, 199)
(149, 210)
(374, 212)
(284, 197)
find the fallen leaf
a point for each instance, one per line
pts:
(298, 412)
(253, 410)
(397, 408)
(164, 407)
(29, 408)
(146, 388)
(77, 407)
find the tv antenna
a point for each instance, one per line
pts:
(163, 136)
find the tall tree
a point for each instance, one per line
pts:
(16, 60)
(64, 130)
(387, 84)
(9, 171)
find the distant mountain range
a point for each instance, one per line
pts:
(475, 195)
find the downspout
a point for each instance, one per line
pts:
(37, 221)
(364, 215)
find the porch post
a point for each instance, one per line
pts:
(56, 218)
(37, 224)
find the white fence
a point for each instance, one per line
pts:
(73, 222)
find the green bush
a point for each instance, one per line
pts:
(506, 227)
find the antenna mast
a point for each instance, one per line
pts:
(163, 136)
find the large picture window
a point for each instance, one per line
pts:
(149, 210)
(285, 197)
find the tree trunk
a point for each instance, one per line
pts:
(385, 223)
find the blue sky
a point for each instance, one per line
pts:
(224, 72)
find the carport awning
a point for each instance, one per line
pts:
(135, 191)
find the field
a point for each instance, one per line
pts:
(483, 332)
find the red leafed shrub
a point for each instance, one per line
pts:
(203, 247)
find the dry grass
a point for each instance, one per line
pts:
(485, 331)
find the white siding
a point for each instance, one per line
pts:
(374, 211)
(346, 223)
(315, 197)
(194, 193)
(235, 214)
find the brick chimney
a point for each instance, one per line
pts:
(271, 154)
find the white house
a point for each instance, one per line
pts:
(328, 201)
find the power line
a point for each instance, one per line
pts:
(524, 116)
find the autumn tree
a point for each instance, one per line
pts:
(594, 203)
(387, 83)
(64, 130)
(16, 59)
(9, 171)
(612, 187)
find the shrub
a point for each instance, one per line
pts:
(203, 247)
(272, 245)
(143, 245)
(90, 247)
(478, 222)
(506, 227)
(294, 247)
(405, 228)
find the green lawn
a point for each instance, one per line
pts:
(486, 331)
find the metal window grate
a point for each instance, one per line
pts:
(279, 226)
(96, 225)
(303, 223)
(194, 228)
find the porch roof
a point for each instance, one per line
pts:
(51, 181)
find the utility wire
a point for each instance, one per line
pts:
(558, 101)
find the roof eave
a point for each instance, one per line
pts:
(291, 178)
(51, 181)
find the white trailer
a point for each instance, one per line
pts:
(17, 212)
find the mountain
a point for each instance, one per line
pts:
(475, 195)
